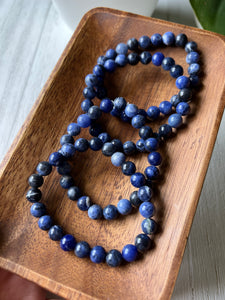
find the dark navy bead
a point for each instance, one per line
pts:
(82, 249)
(149, 226)
(121, 60)
(167, 63)
(66, 182)
(174, 100)
(151, 144)
(193, 69)
(118, 145)
(95, 144)
(143, 242)
(165, 107)
(35, 180)
(98, 70)
(66, 139)
(73, 129)
(38, 210)
(145, 193)
(168, 38)
(124, 207)
(95, 212)
(45, 222)
(74, 193)
(129, 148)
(120, 103)
(156, 39)
(192, 57)
(138, 121)
(175, 120)
(115, 112)
(144, 42)
(154, 158)
(94, 112)
(110, 54)
(95, 129)
(91, 80)
(152, 172)
(181, 40)
(84, 203)
(157, 58)
(165, 131)
(86, 104)
(183, 108)
(110, 212)
(118, 158)
(128, 168)
(114, 258)
(68, 150)
(142, 112)
(153, 112)
(89, 92)
(34, 195)
(44, 168)
(124, 117)
(81, 145)
(68, 242)
(147, 209)
(176, 71)
(182, 82)
(194, 80)
(55, 233)
(101, 60)
(133, 58)
(185, 95)
(132, 44)
(110, 65)
(129, 252)
(106, 105)
(122, 48)
(131, 110)
(191, 46)
(84, 121)
(145, 57)
(64, 168)
(140, 145)
(145, 132)
(97, 254)
(134, 200)
(104, 137)
(108, 149)
(101, 92)
(137, 179)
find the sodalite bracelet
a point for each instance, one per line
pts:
(148, 142)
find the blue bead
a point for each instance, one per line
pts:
(143, 242)
(73, 129)
(118, 158)
(118, 145)
(106, 105)
(64, 168)
(121, 60)
(145, 57)
(145, 132)
(129, 252)
(124, 117)
(132, 44)
(151, 144)
(192, 57)
(156, 39)
(68, 150)
(144, 42)
(193, 69)
(44, 168)
(183, 108)
(138, 121)
(194, 80)
(86, 104)
(142, 112)
(181, 40)
(94, 112)
(84, 203)
(129, 148)
(152, 172)
(95, 129)
(176, 71)
(38, 210)
(84, 121)
(147, 209)
(110, 54)
(55, 233)
(108, 149)
(110, 65)
(149, 226)
(145, 193)
(81, 145)
(157, 58)
(165, 131)
(153, 112)
(115, 112)
(137, 179)
(97, 254)
(68, 242)
(56, 158)
(167, 63)
(168, 38)
(154, 158)
(74, 193)
(89, 92)
(165, 107)
(45, 222)
(124, 207)
(120, 103)
(66, 182)
(35, 180)
(175, 120)
(33, 195)
(182, 82)
(134, 200)
(91, 80)
(99, 70)
(110, 212)
(128, 168)
(66, 139)
(133, 58)
(121, 48)
(95, 144)
(140, 145)
(131, 110)
(191, 46)
(101, 60)
(174, 100)
(82, 249)
(114, 258)
(95, 212)
(104, 137)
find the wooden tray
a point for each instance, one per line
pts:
(26, 250)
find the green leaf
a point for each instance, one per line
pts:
(211, 14)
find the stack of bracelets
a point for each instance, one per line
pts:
(176, 108)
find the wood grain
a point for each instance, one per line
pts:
(28, 251)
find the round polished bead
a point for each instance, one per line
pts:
(91, 80)
(81, 145)
(86, 104)
(194, 80)
(176, 71)
(45, 222)
(74, 193)
(194, 69)
(101, 91)
(104, 137)
(137, 179)
(183, 108)
(138, 121)
(181, 40)
(110, 54)
(153, 112)
(82, 249)
(84, 121)
(124, 117)
(118, 145)
(84, 203)
(152, 172)
(191, 46)
(167, 63)
(110, 65)
(106, 105)
(95, 212)
(129, 148)
(182, 82)
(140, 145)
(147, 209)
(66, 139)
(174, 100)
(145, 132)
(95, 144)
(110, 212)
(133, 58)
(134, 200)
(34, 195)
(55, 233)
(35, 180)
(73, 129)
(114, 258)
(128, 168)
(145, 57)
(118, 158)
(38, 210)
(149, 226)
(120, 103)
(98, 70)
(165, 107)
(66, 181)
(108, 149)
(165, 131)
(124, 207)
(101, 60)
(168, 38)
(131, 110)
(145, 193)
(68, 242)
(175, 120)
(68, 150)
(89, 92)
(156, 39)
(142, 112)
(185, 95)
(132, 44)
(94, 112)
(44, 168)
(121, 60)
(129, 252)
(151, 144)
(97, 254)
(144, 42)
(115, 112)
(95, 129)
(143, 242)
(157, 58)
(121, 48)
(192, 57)
(154, 158)
(64, 168)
